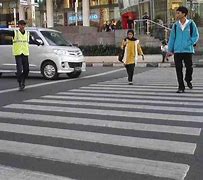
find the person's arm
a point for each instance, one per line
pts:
(172, 40)
(124, 43)
(140, 52)
(195, 34)
(139, 49)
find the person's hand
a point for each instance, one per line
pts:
(124, 43)
(168, 54)
(143, 57)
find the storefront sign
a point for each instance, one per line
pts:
(72, 18)
(23, 2)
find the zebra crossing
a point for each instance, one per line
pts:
(107, 130)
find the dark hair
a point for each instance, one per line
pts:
(131, 31)
(183, 10)
(21, 22)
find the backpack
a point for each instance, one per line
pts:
(191, 30)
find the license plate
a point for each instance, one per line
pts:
(77, 68)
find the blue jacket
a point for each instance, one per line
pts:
(183, 41)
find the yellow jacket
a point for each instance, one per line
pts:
(132, 50)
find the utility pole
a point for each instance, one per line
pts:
(32, 4)
(76, 12)
(191, 7)
(14, 15)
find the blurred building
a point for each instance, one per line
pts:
(59, 12)
(159, 9)
(50, 13)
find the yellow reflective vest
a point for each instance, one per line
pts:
(21, 43)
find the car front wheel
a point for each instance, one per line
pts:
(49, 70)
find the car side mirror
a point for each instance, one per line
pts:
(40, 41)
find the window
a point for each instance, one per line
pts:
(55, 38)
(6, 38)
(34, 36)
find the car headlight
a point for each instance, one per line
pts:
(61, 52)
(80, 53)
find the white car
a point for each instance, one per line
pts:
(55, 56)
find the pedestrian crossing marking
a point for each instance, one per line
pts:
(121, 163)
(131, 88)
(103, 123)
(118, 140)
(137, 92)
(123, 99)
(110, 105)
(129, 100)
(11, 173)
(140, 86)
(119, 113)
(78, 93)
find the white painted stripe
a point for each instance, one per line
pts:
(116, 105)
(103, 123)
(118, 140)
(138, 86)
(121, 163)
(10, 173)
(148, 83)
(188, 99)
(137, 92)
(61, 81)
(135, 89)
(130, 100)
(119, 113)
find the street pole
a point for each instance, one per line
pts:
(76, 12)
(14, 15)
(32, 4)
(191, 4)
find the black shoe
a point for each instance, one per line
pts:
(180, 91)
(21, 86)
(189, 84)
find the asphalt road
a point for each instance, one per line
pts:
(98, 127)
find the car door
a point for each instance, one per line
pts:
(7, 60)
(36, 52)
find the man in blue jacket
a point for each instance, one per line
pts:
(183, 37)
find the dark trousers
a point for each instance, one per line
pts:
(130, 70)
(163, 56)
(22, 66)
(187, 58)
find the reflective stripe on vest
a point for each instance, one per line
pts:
(21, 43)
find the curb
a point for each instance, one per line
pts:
(118, 64)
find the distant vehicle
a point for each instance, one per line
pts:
(55, 56)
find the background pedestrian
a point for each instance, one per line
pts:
(164, 50)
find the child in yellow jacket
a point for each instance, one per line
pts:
(132, 50)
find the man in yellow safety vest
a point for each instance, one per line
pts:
(21, 39)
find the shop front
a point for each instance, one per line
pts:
(8, 13)
(101, 12)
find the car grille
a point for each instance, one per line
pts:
(74, 64)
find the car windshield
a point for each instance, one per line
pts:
(55, 38)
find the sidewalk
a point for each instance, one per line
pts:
(154, 60)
